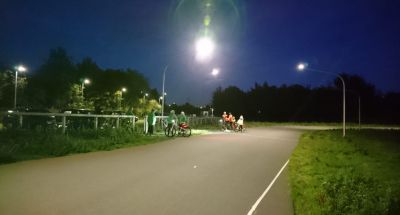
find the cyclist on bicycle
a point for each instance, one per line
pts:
(171, 120)
(182, 120)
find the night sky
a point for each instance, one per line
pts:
(256, 40)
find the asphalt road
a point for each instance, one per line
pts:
(222, 173)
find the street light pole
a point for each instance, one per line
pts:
(359, 112)
(82, 86)
(123, 90)
(163, 91)
(15, 89)
(302, 67)
(144, 97)
(84, 81)
(19, 68)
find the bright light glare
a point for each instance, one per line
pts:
(204, 48)
(301, 67)
(123, 89)
(86, 81)
(215, 72)
(21, 68)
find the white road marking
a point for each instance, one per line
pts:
(254, 207)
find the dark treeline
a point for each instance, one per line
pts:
(304, 104)
(57, 85)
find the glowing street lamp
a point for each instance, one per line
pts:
(303, 66)
(144, 97)
(121, 93)
(204, 48)
(85, 81)
(19, 68)
(215, 72)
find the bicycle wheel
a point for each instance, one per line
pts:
(170, 132)
(187, 132)
(173, 131)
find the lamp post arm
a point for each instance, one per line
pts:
(344, 94)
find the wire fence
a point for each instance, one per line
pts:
(194, 122)
(64, 121)
(67, 121)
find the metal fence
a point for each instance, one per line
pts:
(65, 120)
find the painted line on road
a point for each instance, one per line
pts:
(254, 207)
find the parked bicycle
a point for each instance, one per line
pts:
(183, 130)
(170, 131)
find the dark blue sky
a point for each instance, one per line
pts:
(257, 41)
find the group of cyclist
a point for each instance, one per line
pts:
(229, 122)
(181, 120)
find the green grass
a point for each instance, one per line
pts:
(18, 145)
(251, 124)
(359, 174)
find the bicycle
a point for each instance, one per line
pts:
(184, 130)
(170, 131)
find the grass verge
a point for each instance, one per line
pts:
(251, 124)
(18, 145)
(359, 174)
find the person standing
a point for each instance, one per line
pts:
(240, 123)
(229, 120)
(151, 121)
(172, 119)
(224, 121)
(182, 119)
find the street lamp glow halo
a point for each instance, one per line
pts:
(205, 47)
(21, 68)
(86, 81)
(215, 72)
(123, 89)
(301, 67)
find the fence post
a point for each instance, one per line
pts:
(20, 121)
(63, 124)
(145, 124)
(117, 122)
(96, 122)
(133, 123)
